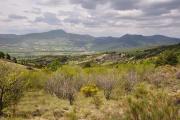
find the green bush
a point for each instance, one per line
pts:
(148, 104)
(36, 79)
(87, 65)
(167, 58)
(89, 90)
(54, 65)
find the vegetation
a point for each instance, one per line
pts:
(92, 87)
(11, 87)
(89, 90)
(107, 84)
(54, 65)
(2, 55)
(147, 104)
(8, 57)
(167, 58)
(65, 84)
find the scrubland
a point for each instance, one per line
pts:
(122, 91)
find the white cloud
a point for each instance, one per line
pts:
(95, 17)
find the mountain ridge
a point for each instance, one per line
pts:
(60, 40)
(63, 31)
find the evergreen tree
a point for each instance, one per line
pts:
(1, 54)
(8, 57)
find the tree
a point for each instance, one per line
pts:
(64, 59)
(167, 58)
(54, 65)
(2, 55)
(11, 85)
(14, 60)
(8, 57)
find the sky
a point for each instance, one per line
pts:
(94, 17)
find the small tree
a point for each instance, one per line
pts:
(8, 57)
(14, 60)
(11, 85)
(2, 55)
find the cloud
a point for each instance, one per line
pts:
(49, 18)
(16, 17)
(88, 4)
(34, 11)
(108, 17)
(115, 4)
(51, 2)
(150, 7)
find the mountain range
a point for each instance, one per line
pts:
(59, 40)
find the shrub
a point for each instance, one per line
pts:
(12, 85)
(148, 104)
(130, 79)
(62, 87)
(36, 79)
(167, 58)
(72, 115)
(65, 83)
(54, 65)
(97, 101)
(89, 90)
(87, 65)
(107, 83)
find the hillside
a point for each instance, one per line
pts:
(59, 41)
(98, 92)
(103, 58)
(147, 53)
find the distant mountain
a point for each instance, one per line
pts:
(133, 41)
(59, 40)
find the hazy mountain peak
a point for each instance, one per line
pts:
(132, 35)
(59, 40)
(57, 31)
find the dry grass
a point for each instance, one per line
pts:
(38, 105)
